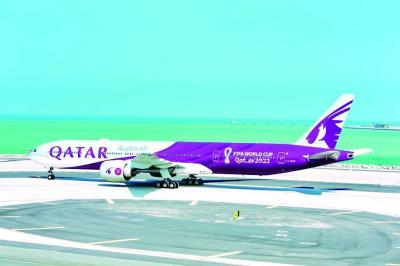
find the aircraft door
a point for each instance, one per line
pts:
(281, 158)
(216, 156)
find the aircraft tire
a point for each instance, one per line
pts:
(164, 184)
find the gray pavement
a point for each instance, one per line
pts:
(274, 234)
(263, 233)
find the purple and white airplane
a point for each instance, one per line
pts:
(120, 161)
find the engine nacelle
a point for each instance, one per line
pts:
(116, 171)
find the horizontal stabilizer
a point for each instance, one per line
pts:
(361, 151)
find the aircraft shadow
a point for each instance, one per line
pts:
(209, 183)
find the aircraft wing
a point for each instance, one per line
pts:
(149, 160)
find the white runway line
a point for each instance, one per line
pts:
(47, 203)
(114, 241)
(308, 243)
(344, 212)
(392, 264)
(110, 201)
(9, 216)
(258, 237)
(15, 236)
(396, 233)
(8, 208)
(20, 262)
(272, 206)
(194, 202)
(38, 228)
(387, 222)
(224, 254)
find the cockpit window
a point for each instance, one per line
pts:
(34, 150)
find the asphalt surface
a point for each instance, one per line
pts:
(263, 233)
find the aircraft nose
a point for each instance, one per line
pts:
(33, 153)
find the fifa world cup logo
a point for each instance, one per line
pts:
(227, 154)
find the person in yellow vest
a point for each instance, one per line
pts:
(236, 215)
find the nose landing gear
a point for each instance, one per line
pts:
(50, 175)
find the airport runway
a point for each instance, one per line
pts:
(78, 218)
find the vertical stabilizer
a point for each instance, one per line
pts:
(326, 131)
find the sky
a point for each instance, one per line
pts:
(260, 59)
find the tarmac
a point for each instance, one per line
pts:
(81, 219)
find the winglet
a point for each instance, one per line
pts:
(326, 130)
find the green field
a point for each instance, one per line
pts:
(19, 136)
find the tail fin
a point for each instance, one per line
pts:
(326, 131)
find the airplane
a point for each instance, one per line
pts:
(120, 161)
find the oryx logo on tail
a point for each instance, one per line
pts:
(326, 131)
(329, 128)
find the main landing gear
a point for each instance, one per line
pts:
(167, 183)
(51, 174)
(192, 181)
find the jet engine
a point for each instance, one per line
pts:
(116, 170)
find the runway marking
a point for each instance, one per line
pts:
(8, 208)
(120, 217)
(308, 243)
(392, 264)
(110, 201)
(386, 222)
(11, 235)
(281, 239)
(258, 237)
(272, 206)
(224, 254)
(114, 241)
(194, 202)
(344, 212)
(397, 233)
(9, 216)
(24, 262)
(47, 203)
(38, 228)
